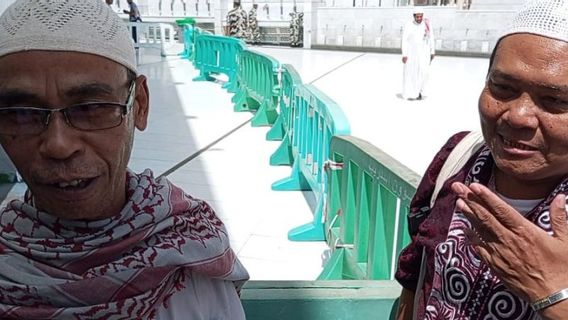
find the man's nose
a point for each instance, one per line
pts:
(521, 113)
(59, 140)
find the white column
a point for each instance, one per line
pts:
(143, 7)
(388, 3)
(310, 22)
(221, 8)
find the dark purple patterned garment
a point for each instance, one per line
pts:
(457, 284)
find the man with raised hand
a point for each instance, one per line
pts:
(493, 242)
(92, 239)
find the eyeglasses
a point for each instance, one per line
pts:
(90, 116)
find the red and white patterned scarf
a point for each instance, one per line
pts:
(124, 267)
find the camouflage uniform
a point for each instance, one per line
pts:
(237, 22)
(253, 29)
(296, 22)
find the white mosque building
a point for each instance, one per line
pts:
(461, 27)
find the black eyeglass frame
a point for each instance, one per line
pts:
(47, 112)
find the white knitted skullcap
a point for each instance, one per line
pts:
(87, 26)
(547, 18)
(417, 10)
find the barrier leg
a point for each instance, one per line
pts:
(239, 95)
(245, 104)
(295, 182)
(312, 231)
(203, 76)
(283, 155)
(231, 86)
(264, 116)
(333, 269)
(276, 133)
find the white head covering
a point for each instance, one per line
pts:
(87, 26)
(417, 10)
(547, 18)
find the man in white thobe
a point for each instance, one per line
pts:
(417, 53)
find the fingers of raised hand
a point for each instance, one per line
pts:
(479, 216)
(487, 212)
(504, 213)
(558, 216)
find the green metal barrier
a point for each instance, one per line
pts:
(196, 33)
(258, 87)
(282, 128)
(365, 193)
(368, 199)
(217, 54)
(320, 300)
(187, 25)
(316, 119)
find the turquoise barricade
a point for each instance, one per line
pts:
(196, 33)
(307, 120)
(320, 300)
(259, 88)
(362, 194)
(187, 26)
(316, 119)
(281, 130)
(217, 54)
(367, 202)
(188, 41)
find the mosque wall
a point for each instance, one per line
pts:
(497, 4)
(461, 31)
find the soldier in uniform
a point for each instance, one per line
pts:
(296, 27)
(254, 30)
(237, 21)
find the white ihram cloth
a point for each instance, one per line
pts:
(417, 45)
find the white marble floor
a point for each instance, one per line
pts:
(234, 175)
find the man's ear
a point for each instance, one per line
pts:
(141, 103)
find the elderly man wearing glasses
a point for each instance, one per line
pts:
(92, 239)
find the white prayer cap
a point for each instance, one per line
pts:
(417, 10)
(548, 18)
(87, 26)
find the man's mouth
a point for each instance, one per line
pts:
(517, 145)
(73, 185)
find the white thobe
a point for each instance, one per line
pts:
(417, 45)
(203, 298)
